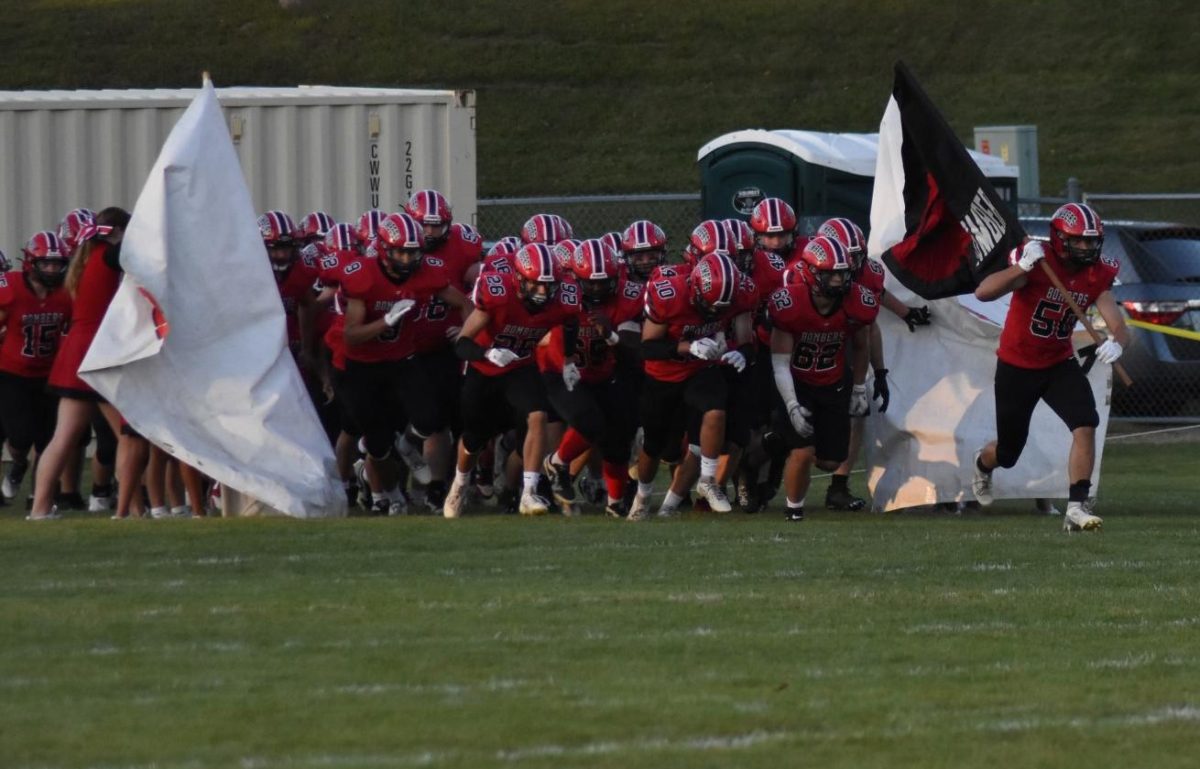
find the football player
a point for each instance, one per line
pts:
(1036, 361)
(512, 313)
(683, 344)
(587, 391)
(388, 391)
(814, 320)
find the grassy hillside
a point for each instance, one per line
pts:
(614, 95)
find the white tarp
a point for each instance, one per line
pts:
(221, 391)
(942, 405)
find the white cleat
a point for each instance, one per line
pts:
(711, 491)
(668, 511)
(99, 504)
(981, 482)
(533, 504)
(452, 508)
(640, 509)
(1079, 519)
(415, 460)
(7, 488)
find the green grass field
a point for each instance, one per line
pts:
(851, 640)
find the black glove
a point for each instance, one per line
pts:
(917, 316)
(881, 391)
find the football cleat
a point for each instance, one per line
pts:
(560, 481)
(507, 501)
(711, 491)
(415, 460)
(533, 504)
(842, 499)
(794, 514)
(1079, 519)
(616, 509)
(591, 488)
(70, 501)
(435, 495)
(981, 482)
(668, 511)
(380, 507)
(99, 504)
(398, 506)
(640, 509)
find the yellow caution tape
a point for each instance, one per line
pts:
(1193, 335)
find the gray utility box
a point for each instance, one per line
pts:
(819, 174)
(1015, 145)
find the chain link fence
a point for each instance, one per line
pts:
(1165, 364)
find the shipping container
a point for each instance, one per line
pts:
(338, 149)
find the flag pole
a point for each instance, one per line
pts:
(1083, 318)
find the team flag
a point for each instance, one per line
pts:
(936, 220)
(193, 349)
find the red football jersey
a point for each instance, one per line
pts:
(332, 270)
(498, 263)
(871, 276)
(378, 292)
(669, 302)
(596, 359)
(32, 326)
(1037, 331)
(767, 272)
(510, 323)
(820, 341)
(433, 318)
(296, 283)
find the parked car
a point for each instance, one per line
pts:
(1159, 283)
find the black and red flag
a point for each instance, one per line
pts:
(942, 223)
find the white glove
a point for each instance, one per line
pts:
(799, 417)
(571, 376)
(722, 346)
(1031, 254)
(1109, 351)
(705, 349)
(735, 359)
(500, 356)
(860, 404)
(398, 311)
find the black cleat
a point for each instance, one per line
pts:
(380, 507)
(561, 483)
(842, 499)
(72, 501)
(795, 514)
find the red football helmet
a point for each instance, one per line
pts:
(46, 257)
(710, 235)
(564, 252)
(536, 274)
(774, 225)
(613, 241)
(506, 246)
(73, 226)
(595, 266)
(1076, 234)
(279, 236)
(545, 228)
(368, 225)
(400, 240)
(714, 280)
(743, 243)
(849, 235)
(342, 239)
(644, 246)
(431, 210)
(826, 266)
(313, 226)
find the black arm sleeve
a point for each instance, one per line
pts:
(468, 349)
(631, 343)
(659, 349)
(570, 339)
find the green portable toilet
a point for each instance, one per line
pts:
(820, 174)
